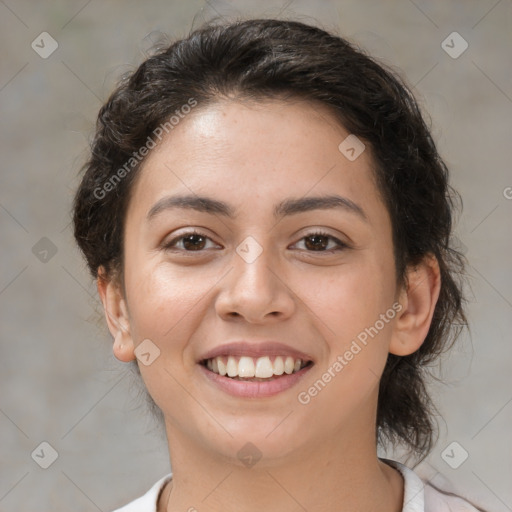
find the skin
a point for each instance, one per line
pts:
(252, 156)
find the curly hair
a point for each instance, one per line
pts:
(261, 59)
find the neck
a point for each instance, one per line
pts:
(342, 473)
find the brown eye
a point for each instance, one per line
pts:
(190, 242)
(316, 242)
(321, 242)
(194, 242)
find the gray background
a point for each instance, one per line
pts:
(59, 382)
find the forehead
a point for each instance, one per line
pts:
(262, 150)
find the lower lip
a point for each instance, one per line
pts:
(258, 389)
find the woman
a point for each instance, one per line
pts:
(269, 223)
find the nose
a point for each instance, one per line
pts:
(255, 291)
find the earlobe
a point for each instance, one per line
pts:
(123, 348)
(418, 298)
(116, 314)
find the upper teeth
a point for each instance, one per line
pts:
(261, 367)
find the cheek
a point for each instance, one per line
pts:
(165, 307)
(161, 301)
(357, 342)
(351, 300)
(349, 305)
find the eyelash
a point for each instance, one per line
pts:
(340, 245)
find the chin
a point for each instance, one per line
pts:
(263, 445)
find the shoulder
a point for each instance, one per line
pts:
(420, 496)
(147, 502)
(440, 501)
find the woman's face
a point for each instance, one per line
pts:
(293, 247)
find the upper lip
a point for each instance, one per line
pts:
(253, 349)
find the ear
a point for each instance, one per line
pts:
(116, 314)
(418, 299)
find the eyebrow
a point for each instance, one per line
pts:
(284, 208)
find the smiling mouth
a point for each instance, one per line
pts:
(255, 369)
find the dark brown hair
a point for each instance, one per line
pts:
(263, 59)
